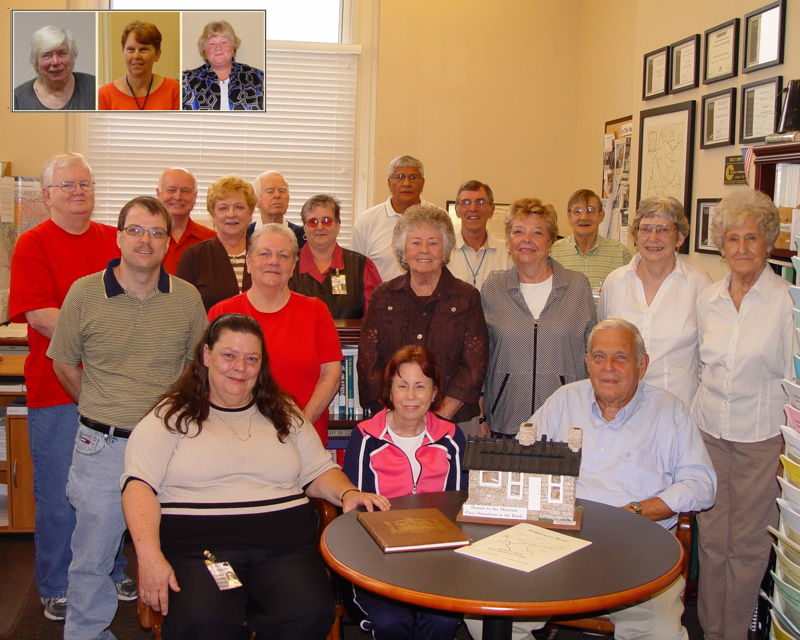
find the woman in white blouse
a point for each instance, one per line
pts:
(657, 291)
(745, 326)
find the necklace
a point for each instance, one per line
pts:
(221, 412)
(474, 272)
(133, 93)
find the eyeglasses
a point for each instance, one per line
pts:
(577, 211)
(325, 221)
(466, 202)
(135, 231)
(399, 177)
(69, 187)
(658, 229)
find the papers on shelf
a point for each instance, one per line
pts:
(789, 547)
(524, 547)
(792, 416)
(792, 391)
(787, 598)
(790, 492)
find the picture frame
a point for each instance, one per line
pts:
(655, 74)
(702, 228)
(684, 64)
(760, 109)
(718, 118)
(763, 36)
(666, 157)
(721, 52)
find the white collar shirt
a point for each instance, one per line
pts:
(474, 266)
(744, 357)
(668, 324)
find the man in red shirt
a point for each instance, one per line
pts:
(177, 191)
(47, 259)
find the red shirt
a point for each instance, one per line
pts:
(300, 338)
(193, 234)
(46, 261)
(371, 276)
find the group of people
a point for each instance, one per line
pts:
(677, 387)
(220, 83)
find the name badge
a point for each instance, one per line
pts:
(222, 572)
(339, 284)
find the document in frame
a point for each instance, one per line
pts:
(524, 547)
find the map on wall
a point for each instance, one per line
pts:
(665, 155)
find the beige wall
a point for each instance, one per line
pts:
(477, 93)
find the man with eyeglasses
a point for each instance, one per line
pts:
(586, 250)
(372, 235)
(477, 253)
(123, 337)
(272, 199)
(177, 191)
(47, 259)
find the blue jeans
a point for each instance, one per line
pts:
(51, 431)
(93, 489)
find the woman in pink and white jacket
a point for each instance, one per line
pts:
(406, 448)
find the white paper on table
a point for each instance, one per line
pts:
(524, 547)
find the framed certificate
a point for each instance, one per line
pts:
(763, 36)
(717, 119)
(702, 230)
(655, 74)
(759, 112)
(684, 64)
(721, 52)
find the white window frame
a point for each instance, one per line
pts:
(552, 483)
(494, 483)
(515, 489)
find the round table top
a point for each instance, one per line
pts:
(630, 558)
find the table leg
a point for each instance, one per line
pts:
(497, 627)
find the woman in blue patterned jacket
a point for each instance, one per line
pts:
(221, 83)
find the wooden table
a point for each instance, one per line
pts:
(630, 558)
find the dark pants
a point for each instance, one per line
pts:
(392, 620)
(286, 595)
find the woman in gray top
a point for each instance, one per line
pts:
(57, 86)
(539, 315)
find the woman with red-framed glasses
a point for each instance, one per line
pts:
(344, 280)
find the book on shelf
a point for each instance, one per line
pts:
(399, 530)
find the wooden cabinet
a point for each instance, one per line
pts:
(16, 471)
(19, 475)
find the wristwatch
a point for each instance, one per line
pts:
(636, 507)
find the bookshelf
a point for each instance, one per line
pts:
(767, 157)
(16, 466)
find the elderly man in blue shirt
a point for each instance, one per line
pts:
(641, 452)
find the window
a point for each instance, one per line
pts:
(489, 479)
(555, 490)
(308, 133)
(516, 485)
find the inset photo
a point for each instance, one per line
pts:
(53, 67)
(223, 60)
(138, 60)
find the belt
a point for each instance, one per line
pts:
(94, 425)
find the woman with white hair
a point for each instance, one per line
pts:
(427, 307)
(657, 292)
(221, 83)
(56, 86)
(745, 327)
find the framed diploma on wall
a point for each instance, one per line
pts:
(763, 36)
(721, 52)
(655, 74)
(684, 64)
(718, 115)
(759, 111)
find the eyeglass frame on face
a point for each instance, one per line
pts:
(313, 222)
(399, 177)
(660, 229)
(478, 202)
(138, 231)
(588, 209)
(70, 186)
